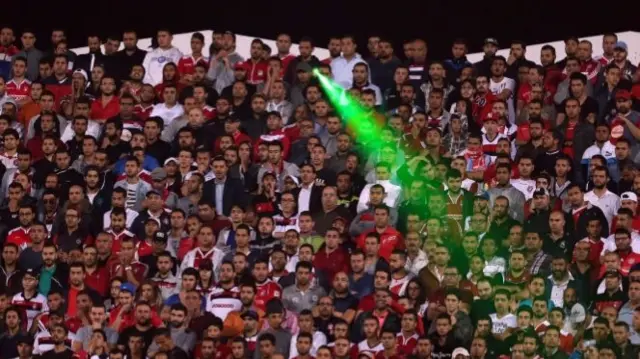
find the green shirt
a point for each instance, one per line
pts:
(44, 285)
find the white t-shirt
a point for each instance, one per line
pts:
(497, 87)
(500, 325)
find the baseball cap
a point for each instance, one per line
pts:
(249, 314)
(81, 72)
(160, 237)
(303, 66)
(578, 314)
(171, 159)
(127, 287)
(126, 135)
(240, 66)
(483, 195)
(32, 272)
(152, 192)
(491, 116)
(158, 174)
(629, 196)
(152, 220)
(459, 351)
(368, 355)
(293, 178)
(623, 94)
(493, 41)
(621, 45)
(540, 192)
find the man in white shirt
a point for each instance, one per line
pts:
(393, 193)
(170, 109)
(342, 67)
(155, 60)
(600, 196)
(502, 86)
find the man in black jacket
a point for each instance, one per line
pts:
(95, 57)
(223, 190)
(583, 211)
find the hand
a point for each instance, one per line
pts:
(221, 54)
(126, 308)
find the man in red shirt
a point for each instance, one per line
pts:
(96, 278)
(623, 247)
(187, 64)
(59, 83)
(20, 235)
(256, 66)
(283, 43)
(126, 266)
(331, 258)
(390, 238)
(19, 88)
(588, 66)
(483, 99)
(266, 288)
(108, 104)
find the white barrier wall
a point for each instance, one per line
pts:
(243, 45)
(533, 51)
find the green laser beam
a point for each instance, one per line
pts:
(358, 119)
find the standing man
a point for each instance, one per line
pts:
(155, 60)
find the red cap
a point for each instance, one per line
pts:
(623, 94)
(240, 66)
(493, 116)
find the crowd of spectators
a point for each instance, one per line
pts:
(168, 206)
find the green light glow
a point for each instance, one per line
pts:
(358, 120)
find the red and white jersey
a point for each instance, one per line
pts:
(363, 347)
(193, 258)
(490, 146)
(223, 301)
(18, 90)
(43, 342)
(208, 112)
(406, 345)
(32, 306)
(604, 61)
(267, 290)
(19, 236)
(9, 161)
(187, 64)
(143, 112)
(116, 239)
(399, 286)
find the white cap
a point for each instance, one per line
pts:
(578, 314)
(629, 196)
(459, 351)
(126, 135)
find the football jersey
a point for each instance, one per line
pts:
(32, 306)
